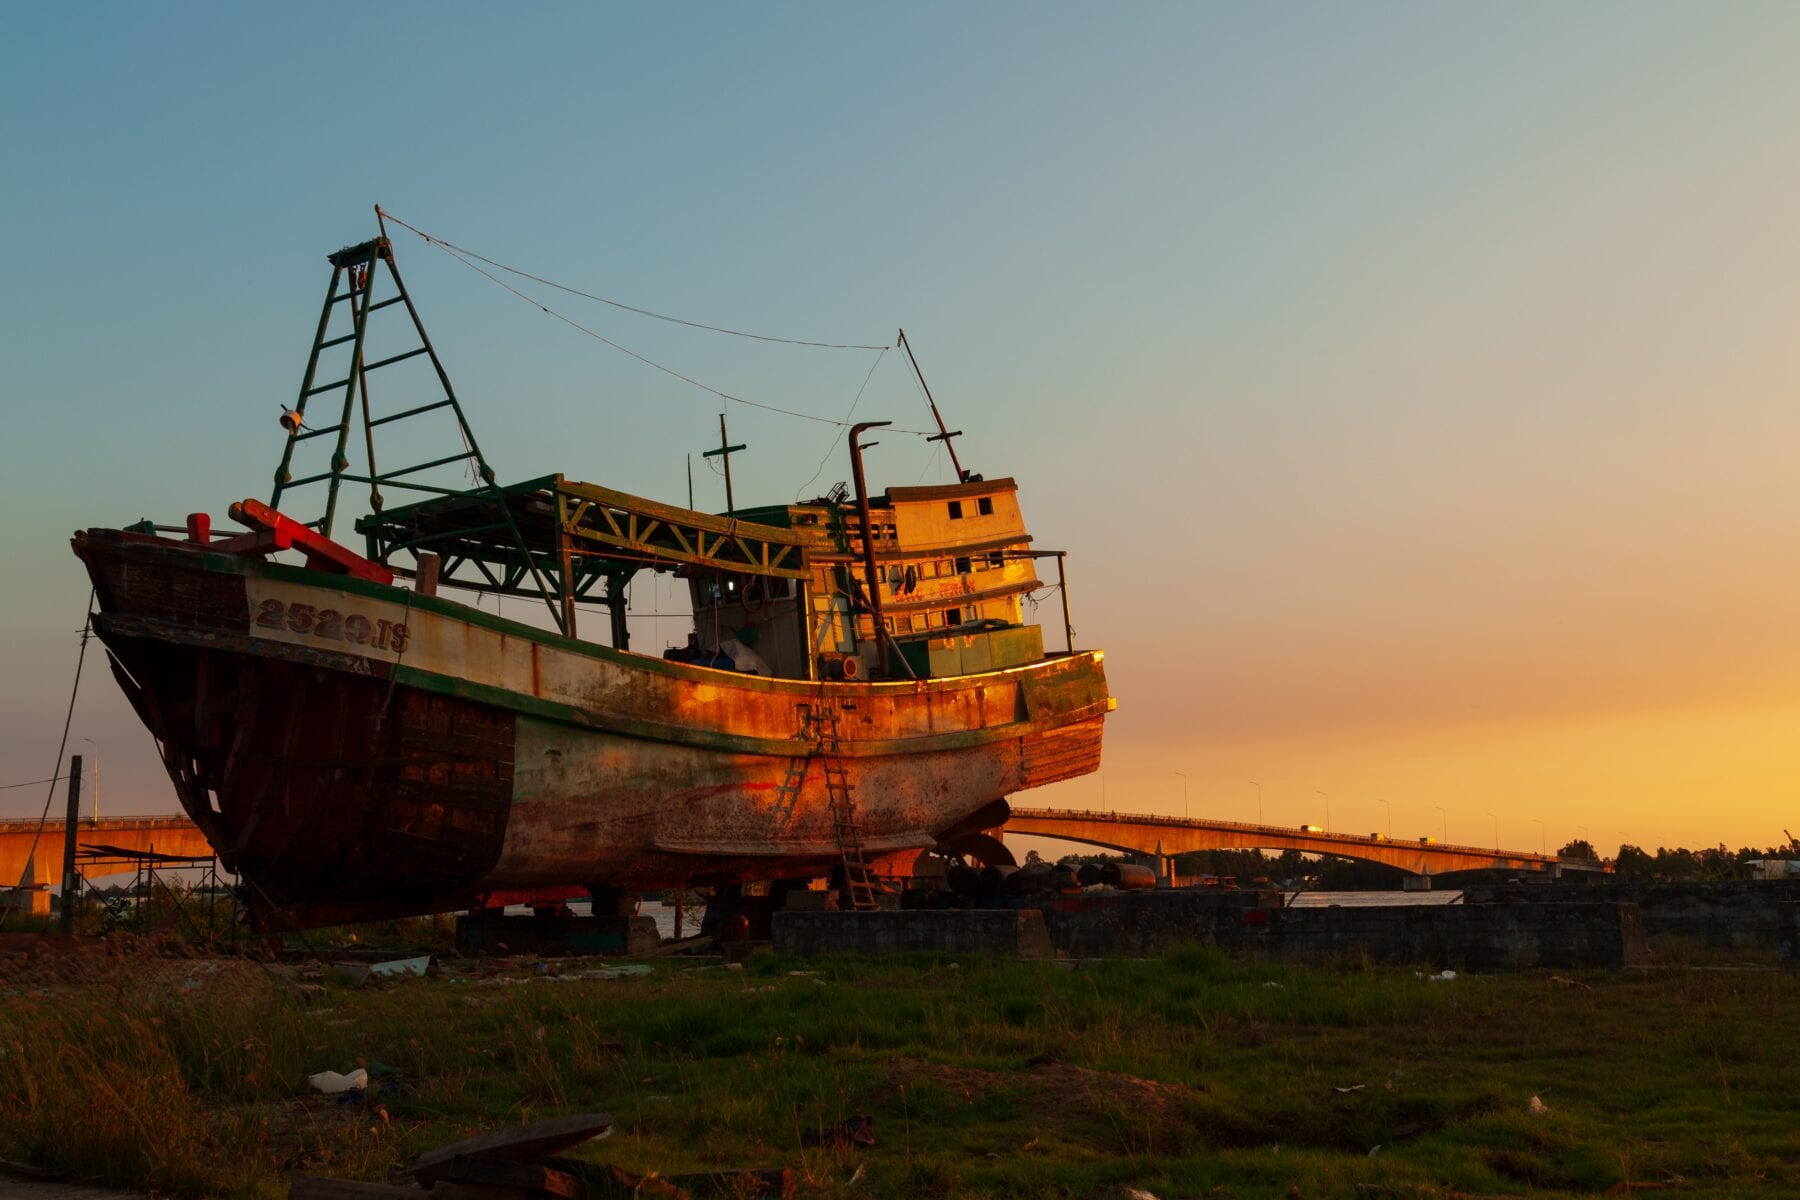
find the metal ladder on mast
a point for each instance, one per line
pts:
(354, 272)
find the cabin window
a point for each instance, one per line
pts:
(996, 559)
(962, 566)
(934, 620)
(956, 510)
(953, 616)
(985, 506)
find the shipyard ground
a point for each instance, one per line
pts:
(1189, 1075)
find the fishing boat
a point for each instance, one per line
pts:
(860, 683)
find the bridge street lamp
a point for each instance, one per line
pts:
(1390, 817)
(1496, 833)
(94, 813)
(1444, 823)
(1327, 811)
(1259, 812)
(1184, 794)
(1543, 846)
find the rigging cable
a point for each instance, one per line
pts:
(649, 362)
(833, 446)
(644, 312)
(87, 629)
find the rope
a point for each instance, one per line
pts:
(87, 628)
(642, 312)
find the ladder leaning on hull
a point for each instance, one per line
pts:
(819, 725)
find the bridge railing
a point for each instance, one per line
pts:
(1347, 839)
(147, 821)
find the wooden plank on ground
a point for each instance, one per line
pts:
(520, 1144)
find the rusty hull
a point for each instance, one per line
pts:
(355, 750)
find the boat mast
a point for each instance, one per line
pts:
(944, 434)
(870, 573)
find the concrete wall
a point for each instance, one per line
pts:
(1724, 916)
(1005, 933)
(1568, 935)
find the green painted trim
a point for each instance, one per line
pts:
(232, 564)
(583, 718)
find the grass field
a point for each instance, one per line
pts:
(1189, 1076)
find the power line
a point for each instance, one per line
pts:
(87, 629)
(5, 787)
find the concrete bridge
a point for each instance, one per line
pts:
(172, 835)
(1136, 833)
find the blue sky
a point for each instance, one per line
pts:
(1412, 384)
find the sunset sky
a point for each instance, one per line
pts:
(1416, 387)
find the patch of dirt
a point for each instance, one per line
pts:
(1077, 1091)
(163, 968)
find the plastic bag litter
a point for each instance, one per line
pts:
(1444, 976)
(1537, 1107)
(331, 1083)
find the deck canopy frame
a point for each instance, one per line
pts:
(583, 541)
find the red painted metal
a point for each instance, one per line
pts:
(273, 531)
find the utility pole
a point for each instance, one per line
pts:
(725, 451)
(1259, 812)
(70, 825)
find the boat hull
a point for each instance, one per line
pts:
(355, 750)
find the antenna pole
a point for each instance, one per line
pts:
(725, 451)
(944, 434)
